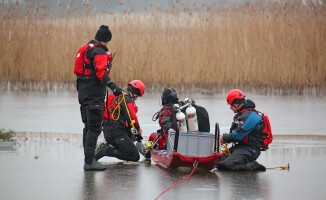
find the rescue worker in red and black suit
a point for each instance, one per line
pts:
(91, 87)
(165, 116)
(117, 130)
(245, 133)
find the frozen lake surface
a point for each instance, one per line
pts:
(48, 160)
(43, 167)
(59, 113)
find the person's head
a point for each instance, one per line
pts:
(136, 88)
(169, 96)
(103, 35)
(235, 99)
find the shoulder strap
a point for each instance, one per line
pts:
(91, 45)
(168, 110)
(108, 109)
(250, 109)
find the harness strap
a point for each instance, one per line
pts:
(123, 99)
(111, 106)
(85, 53)
(108, 109)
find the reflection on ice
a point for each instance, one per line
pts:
(58, 173)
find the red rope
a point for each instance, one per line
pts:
(195, 167)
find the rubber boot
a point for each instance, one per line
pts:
(148, 155)
(103, 150)
(94, 166)
(258, 167)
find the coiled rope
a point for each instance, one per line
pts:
(123, 99)
(225, 149)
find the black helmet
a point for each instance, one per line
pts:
(169, 96)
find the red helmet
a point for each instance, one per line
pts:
(138, 85)
(233, 95)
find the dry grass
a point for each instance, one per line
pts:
(271, 45)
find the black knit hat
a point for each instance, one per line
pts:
(103, 34)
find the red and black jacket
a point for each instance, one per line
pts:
(96, 61)
(166, 120)
(122, 118)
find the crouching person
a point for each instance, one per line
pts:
(119, 117)
(165, 116)
(245, 133)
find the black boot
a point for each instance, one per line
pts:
(148, 155)
(94, 166)
(260, 167)
(255, 166)
(103, 150)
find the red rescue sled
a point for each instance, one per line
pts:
(172, 159)
(177, 160)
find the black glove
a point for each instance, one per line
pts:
(148, 154)
(139, 138)
(115, 89)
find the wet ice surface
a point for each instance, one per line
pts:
(59, 112)
(43, 167)
(49, 165)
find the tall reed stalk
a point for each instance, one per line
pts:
(261, 45)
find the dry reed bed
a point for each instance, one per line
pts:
(272, 45)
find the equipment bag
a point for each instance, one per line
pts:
(267, 131)
(81, 60)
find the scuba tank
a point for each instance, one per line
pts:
(181, 118)
(192, 118)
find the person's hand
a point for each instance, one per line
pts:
(221, 140)
(140, 131)
(117, 91)
(139, 138)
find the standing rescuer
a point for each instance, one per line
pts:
(245, 132)
(119, 117)
(92, 67)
